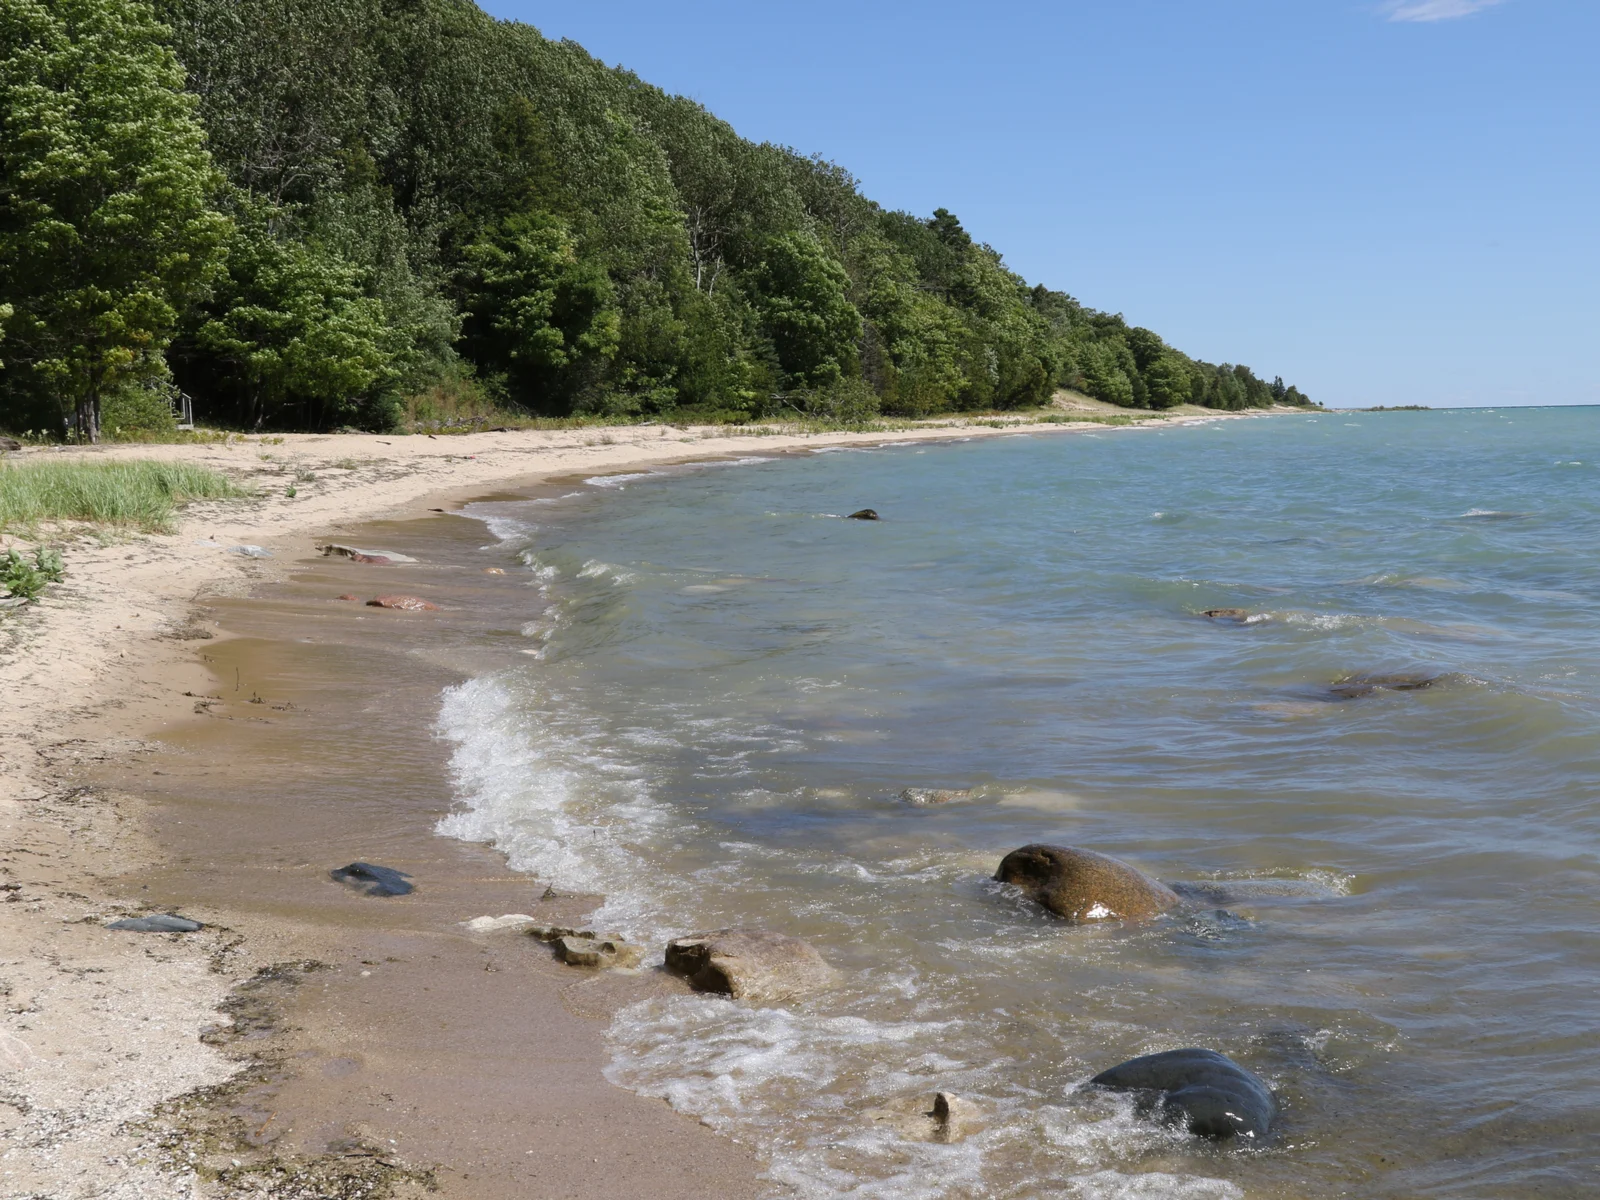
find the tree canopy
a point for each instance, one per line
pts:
(306, 210)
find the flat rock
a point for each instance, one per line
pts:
(1354, 687)
(373, 879)
(749, 964)
(864, 514)
(1209, 1093)
(926, 796)
(403, 603)
(381, 558)
(488, 924)
(159, 923)
(1081, 885)
(609, 951)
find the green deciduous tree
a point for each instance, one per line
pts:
(105, 229)
(805, 307)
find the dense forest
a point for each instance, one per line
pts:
(305, 214)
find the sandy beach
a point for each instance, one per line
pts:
(173, 719)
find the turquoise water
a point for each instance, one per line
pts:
(1392, 901)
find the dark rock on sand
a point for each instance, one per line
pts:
(1354, 687)
(749, 964)
(925, 796)
(373, 879)
(160, 923)
(403, 603)
(1081, 885)
(1208, 1092)
(864, 514)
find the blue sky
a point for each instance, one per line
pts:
(1384, 202)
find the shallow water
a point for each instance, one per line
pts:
(723, 686)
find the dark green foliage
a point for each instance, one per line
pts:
(24, 579)
(420, 195)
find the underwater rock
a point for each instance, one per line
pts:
(864, 514)
(925, 796)
(348, 596)
(383, 881)
(749, 964)
(1238, 616)
(1208, 1092)
(1354, 687)
(159, 923)
(403, 603)
(382, 558)
(1081, 885)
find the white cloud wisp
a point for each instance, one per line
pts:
(1435, 10)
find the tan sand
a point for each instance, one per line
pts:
(366, 1067)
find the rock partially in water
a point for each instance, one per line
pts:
(864, 514)
(488, 924)
(349, 596)
(158, 923)
(577, 950)
(403, 603)
(373, 879)
(1237, 616)
(749, 964)
(1209, 1093)
(381, 558)
(953, 1117)
(1354, 687)
(1081, 885)
(926, 796)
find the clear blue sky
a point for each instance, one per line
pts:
(1384, 202)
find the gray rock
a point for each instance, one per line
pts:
(373, 879)
(1354, 687)
(749, 964)
(922, 797)
(1209, 1093)
(159, 923)
(1081, 885)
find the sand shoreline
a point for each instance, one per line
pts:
(101, 1030)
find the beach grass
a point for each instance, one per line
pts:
(140, 496)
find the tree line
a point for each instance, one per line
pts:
(301, 212)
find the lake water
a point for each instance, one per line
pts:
(724, 687)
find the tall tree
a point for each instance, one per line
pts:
(105, 228)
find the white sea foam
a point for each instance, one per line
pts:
(619, 480)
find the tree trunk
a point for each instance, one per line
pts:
(86, 420)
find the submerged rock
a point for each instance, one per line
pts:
(373, 879)
(1209, 1093)
(382, 558)
(749, 964)
(403, 603)
(864, 514)
(1238, 616)
(159, 923)
(925, 796)
(1354, 687)
(348, 596)
(1081, 885)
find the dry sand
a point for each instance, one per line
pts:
(138, 1065)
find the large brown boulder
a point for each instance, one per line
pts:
(1081, 885)
(749, 964)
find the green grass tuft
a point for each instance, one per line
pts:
(140, 496)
